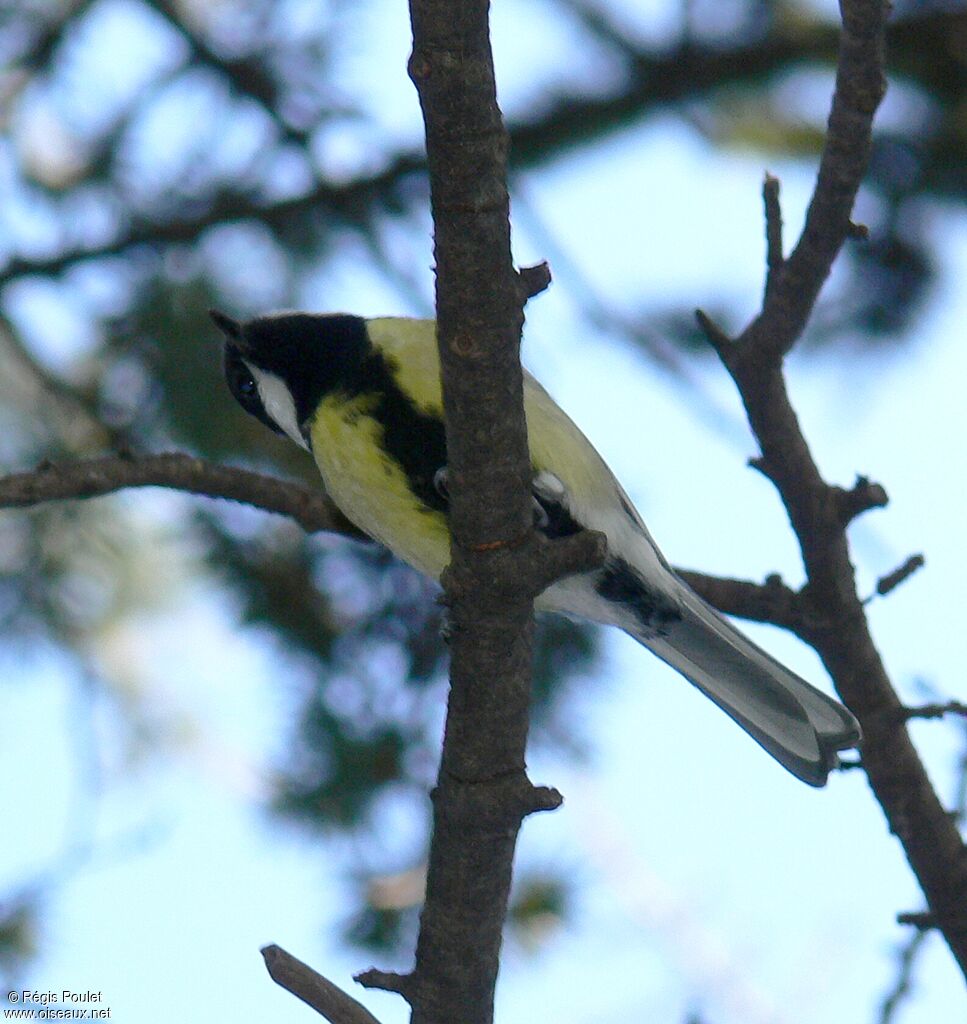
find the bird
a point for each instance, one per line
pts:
(363, 396)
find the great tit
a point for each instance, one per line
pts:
(363, 397)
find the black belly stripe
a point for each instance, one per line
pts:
(412, 438)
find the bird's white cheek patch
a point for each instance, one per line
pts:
(278, 404)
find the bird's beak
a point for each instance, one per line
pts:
(232, 329)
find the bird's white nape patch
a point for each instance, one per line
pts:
(278, 403)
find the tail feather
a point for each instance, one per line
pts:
(797, 724)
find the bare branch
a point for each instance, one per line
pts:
(387, 981)
(312, 509)
(899, 575)
(904, 980)
(863, 496)
(89, 478)
(661, 76)
(497, 561)
(835, 624)
(923, 920)
(772, 602)
(534, 280)
(775, 260)
(717, 337)
(312, 988)
(933, 711)
(565, 556)
(860, 85)
(225, 208)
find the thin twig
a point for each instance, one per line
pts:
(312, 988)
(386, 981)
(893, 579)
(775, 259)
(230, 207)
(716, 336)
(923, 920)
(934, 711)
(910, 952)
(860, 85)
(903, 984)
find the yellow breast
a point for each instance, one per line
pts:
(370, 486)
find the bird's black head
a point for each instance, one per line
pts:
(279, 367)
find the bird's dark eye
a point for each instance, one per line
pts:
(242, 384)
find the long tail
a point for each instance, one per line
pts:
(800, 726)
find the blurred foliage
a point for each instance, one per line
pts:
(162, 156)
(18, 934)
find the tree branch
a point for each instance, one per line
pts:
(775, 260)
(659, 77)
(498, 564)
(885, 584)
(771, 602)
(312, 509)
(863, 496)
(91, 478)
(143, 230)
(836, 625)
(477, 804)
(903, 984)
(934, 711)
(860, 86)
(312, 988)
